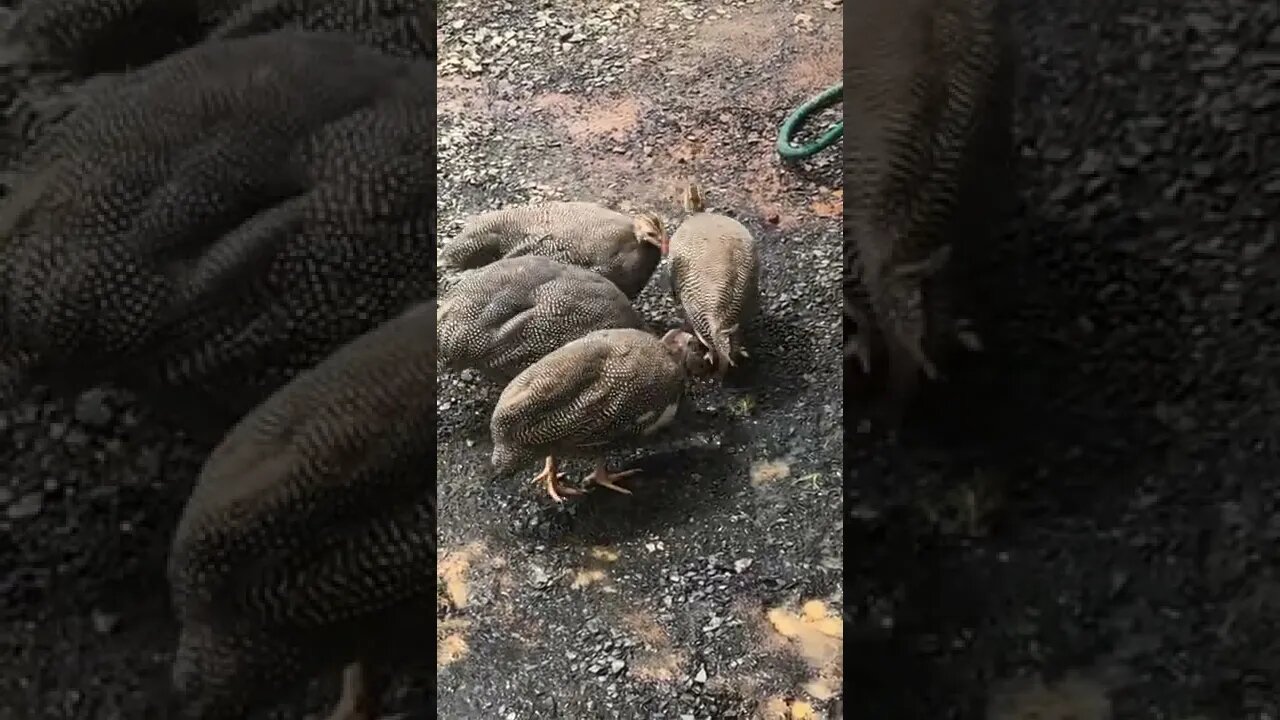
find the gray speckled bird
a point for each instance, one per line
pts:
(503, 317)
(928, 115)
(609, 388)
(308, 544)
(94, 36)
(220, 221)
(715, 277)
(623, 248)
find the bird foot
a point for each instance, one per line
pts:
(551, 481)
(604, 478)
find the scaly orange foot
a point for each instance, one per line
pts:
(551, 480)
(604, 478)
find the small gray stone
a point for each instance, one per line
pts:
(104, 622)
(29, 505)
(92, 409)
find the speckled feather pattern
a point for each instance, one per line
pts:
(75, 32)
(312, 524)
(715, 278)
(602, 390)
(224, 219)
(503, 317)
(922, 99)
(585, 234)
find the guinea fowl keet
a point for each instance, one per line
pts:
(715, 278)
(928, 127)
(220, 221)
(625, 249)
(308, 543)
(503, 317)
(609, 388)
(91, 36)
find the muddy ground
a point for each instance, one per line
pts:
(714, 590)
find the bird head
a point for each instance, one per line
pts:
(691, 198)
(692, 355)
(648, 228)
(901, 302)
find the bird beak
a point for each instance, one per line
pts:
(665, 245)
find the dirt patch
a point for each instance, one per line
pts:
(767, 472)
(779, 708)
(817, 70)
(816, 635)
(456, 95)
(1072, 698)
(832, 207)
(741, 34)
(452, 567)
(613, 119)
(592, 118)
(598, 560)
(660, 661)
(451, 641)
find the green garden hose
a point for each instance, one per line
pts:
(829, 97)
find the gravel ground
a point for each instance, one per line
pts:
(1085, 526)
(713, 590)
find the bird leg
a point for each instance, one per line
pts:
(550, 477)
(358, 701)
(604, 478)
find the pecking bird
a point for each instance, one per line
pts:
(220, 221)
(503, 317)
(715, 278)
(608, 388)
(623, 248)
(308, 543)
(928, 118)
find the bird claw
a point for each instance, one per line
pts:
(550, 478)
(604, 478)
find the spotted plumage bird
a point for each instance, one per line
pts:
(94, 36)
(928, 118)
(715, 278)
(503, 317)
(608, 389)
(625, 249)
(220, 221)
(56, 47)
(308, 543)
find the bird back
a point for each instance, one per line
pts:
(603, 388)
(715, 269)
(502, 318)
(314, 510)
(225, 218)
